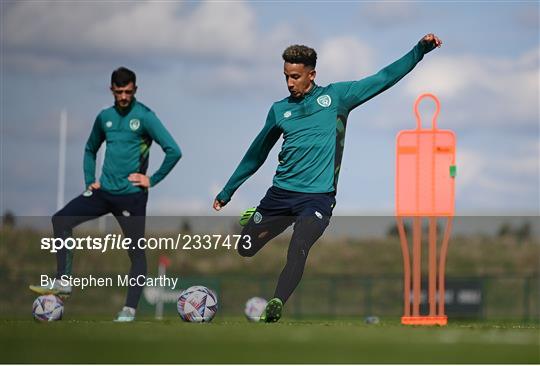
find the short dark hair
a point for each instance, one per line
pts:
(300, 54)
(122, 76)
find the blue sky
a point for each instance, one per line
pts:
(211, 70)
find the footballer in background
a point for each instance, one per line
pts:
(128, 127)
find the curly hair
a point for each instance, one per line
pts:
(300, 54)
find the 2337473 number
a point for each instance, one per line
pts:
(215, 241)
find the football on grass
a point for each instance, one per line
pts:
(48, 308)
(254, 308)
(197, 304)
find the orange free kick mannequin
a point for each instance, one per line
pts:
(425, 185)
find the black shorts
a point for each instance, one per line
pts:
(280, 208)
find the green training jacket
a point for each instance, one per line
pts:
(129, 135)
(313, 129)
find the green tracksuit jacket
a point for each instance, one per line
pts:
(313, 129)
(129, 135)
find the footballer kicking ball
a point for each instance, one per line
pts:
(48, 308)
(197, 304)
(254, 308)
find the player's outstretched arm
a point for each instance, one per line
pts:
(252, 161)
(357, 92)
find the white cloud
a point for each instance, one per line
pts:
(471, 165)
(46, 36)
(219, 41)
(167, 27)
(52, 24)
(135, 28)
(261, 69)
(485, 89)
(496, 180)
(343, 58)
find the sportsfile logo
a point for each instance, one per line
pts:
(178, 242)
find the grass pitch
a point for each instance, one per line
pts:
(234, 340)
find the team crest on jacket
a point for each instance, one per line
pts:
(108, 124)
(134, 124)
(324, 100)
